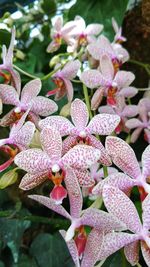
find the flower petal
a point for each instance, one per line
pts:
(92, 78)
(118, 204)
(51, 142)
(92, 248)
(94, 29)
(118, 180)
(130, 111)
(146, 252)
(146, 212)
(133, 123)
(74, 193)
(30, 181)
(61, 124)
(146, 162)
(81, 156)
(30, 90)
(84, 178)
(136, 133)
(58, 24)
(72, 249)
(68, 143)
(43, 106)
(33, 161)
(124, 78)
(132, 252)
(128, 91)
(103, 124)
(115, 241)
(50, 204)
(69, 89)
(24, 136)
(123, 156)
(101, 220)
(97, 98)
(8, 119)
(107, 68)
(79, 114)
(70, 69)
(9, 95)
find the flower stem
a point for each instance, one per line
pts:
(87, 101)
(105, 170)
(123, 258)
(144, 65)
(25, 73)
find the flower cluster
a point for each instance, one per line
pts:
(73, 155)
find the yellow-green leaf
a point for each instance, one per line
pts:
(8, 178)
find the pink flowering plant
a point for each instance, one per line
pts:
(68, 140)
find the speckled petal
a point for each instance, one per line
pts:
(124, 78)
(146, 212)
(50, 204)
(132, 252)
(8, 119)
(30, 181)
(69, 89)
(104, 158)
(30, 90)
(51, 142)
(128, 91)
(130, 111)
(79, 114)
(146, 252)
(72, 248)
(123, 156)
(62, 124)
(115, 241)
(58, 24)
(70, 69)
(84, 178)
(118, 204)
(81, 156)
(92, 78)
(68, 143)
(94, 29)
(92, 248)
(33, 161)
(74, 193)
(97, 98)
(103, 124)
(9, 95)
(146, 162)
(133, 123)
(101, 220)
(136, 133)
(118, 180)
(24, 136)
(43, 106)
(106, 67)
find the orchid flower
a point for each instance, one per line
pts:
(49, 163)
(62, 79)
(122, 110)
(38, 105)
(102, 46)
(108, 83)
(82, 132)
(91, 249)
(120, 206)
(118, 32)
(20, 137)
(124, 158)
(7, 65)
(142, 122)
(95, 218)
(59, 33)
(84, 34)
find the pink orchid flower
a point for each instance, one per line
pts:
(38, 105)
(119, 205)
(20, 137)
(60, 33)
(62, 79)
(108, 83)
(118, 32)
(49, 163)
(123, 110)
(142, 122)
(124, 158)
(102, 46)
(82, 132)
(89, 255)
(7, 65)
(98, 219)
(83, 34)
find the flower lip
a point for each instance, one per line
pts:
(114, 84)
(55, 168)
(17, 110)
(82, 134)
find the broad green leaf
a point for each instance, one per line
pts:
(8, 178)
(49, 7)
(25, 261)
(100, 11)
(2, 264)
(50, 251)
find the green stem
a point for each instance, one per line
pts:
(105, 170)
(123, 258)
(101, 263)
(52, 72)
(25, 73)
(144, 65)
(87, 101)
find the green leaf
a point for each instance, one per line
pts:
(2, 264)
(100, 11)
(8, 178)
(25, 261)
(50, 251)
(49, 7)
(11, 231)
(4, 37)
